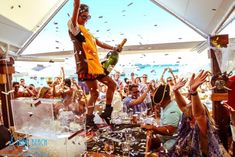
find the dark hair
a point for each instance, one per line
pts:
(67, 82)
(126, 80)
(15, 83)
(83, 8)
(32, 85)
(132, 86)
(169, 78)
(161, 93)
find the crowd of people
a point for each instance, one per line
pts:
(185, 126)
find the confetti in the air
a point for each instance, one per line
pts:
(130, 4)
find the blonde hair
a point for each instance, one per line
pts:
(43, 91)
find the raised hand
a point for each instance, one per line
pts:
(179, 84)
(118, 48)
(165, 70)
(149, 88)
(77, 2)
(170, 70)
(195, 82)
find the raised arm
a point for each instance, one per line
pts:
(107, 46)
(76, 6)
(62, 74)
(104, 45)
(178, 97)
(198, 109)
(172, 74)
(141, 98)
(162, 76)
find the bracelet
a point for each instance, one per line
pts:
(193, 93)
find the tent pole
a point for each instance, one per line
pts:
(220, 114)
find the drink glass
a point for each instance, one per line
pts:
(135, 119)
(125, 149)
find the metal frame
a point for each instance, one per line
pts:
(203, 34)
(20, 51)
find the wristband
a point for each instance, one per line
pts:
(193, 93)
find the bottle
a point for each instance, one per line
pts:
(112, 59)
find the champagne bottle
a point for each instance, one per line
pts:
(112, 59)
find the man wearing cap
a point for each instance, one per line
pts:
(88, 66)
(169, 120)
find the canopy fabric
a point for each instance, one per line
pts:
(19, 20)
(206, 16)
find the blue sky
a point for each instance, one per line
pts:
(141, 22)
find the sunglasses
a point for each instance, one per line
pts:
(86, 17)
(169, 80)
(145, 77)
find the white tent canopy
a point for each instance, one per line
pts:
(21, 20)
(204, 16)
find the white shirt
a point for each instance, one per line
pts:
(74, 30)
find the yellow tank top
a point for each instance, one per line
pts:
(93, 62)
